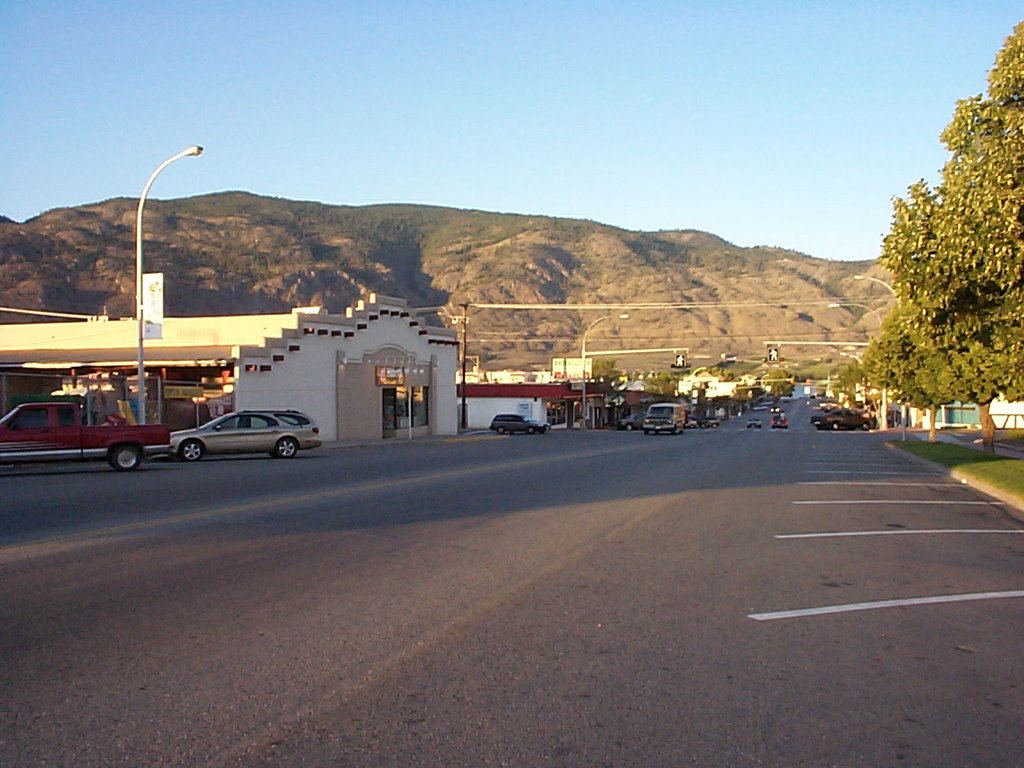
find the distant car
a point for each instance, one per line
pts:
(512, 422)
(706, 422)
(753, 423)
(779, 421)
(842, 418)
(630, 422)
(281, 433)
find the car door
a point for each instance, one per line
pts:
(31, 436)
(224, 437)
(263, 432)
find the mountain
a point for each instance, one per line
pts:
(236, 253)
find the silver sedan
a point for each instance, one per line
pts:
(282, 434)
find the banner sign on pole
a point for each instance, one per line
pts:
(153, 304)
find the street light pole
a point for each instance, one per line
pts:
(193, 151)
(888, 287)
(583, 357)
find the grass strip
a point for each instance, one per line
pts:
(997, 471)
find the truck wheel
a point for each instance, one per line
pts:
(286, 448)
(191, 450)
(125, 458)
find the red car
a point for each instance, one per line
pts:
(779, 421)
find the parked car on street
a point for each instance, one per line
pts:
(281, 433)
(630, 422)
(56, 431)
(513, 422)
(842, 418)
(753, 423)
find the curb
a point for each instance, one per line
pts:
(1014, 504)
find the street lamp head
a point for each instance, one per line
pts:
(194, 151)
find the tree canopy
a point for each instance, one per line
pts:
(957, 254)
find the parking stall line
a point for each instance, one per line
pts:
(915, 472)
(888, 532)
(877, 604)
(888, 483)
(894, 502)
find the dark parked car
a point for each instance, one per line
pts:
(630, 422)
(842, 418)
(706, 422)
(513, 422)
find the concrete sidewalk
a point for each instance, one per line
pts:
(971, 439)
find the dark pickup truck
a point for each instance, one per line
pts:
(55, 432)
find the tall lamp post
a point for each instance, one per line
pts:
(193, 151)
(583, 357)
(888, 287)
(874, 310)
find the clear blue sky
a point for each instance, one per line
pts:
(767, 123)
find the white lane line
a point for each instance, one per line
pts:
(889, 532)
(870, 606)
(912, 471)
(898, 501)
(889, 483)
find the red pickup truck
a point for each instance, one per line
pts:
(55, 432)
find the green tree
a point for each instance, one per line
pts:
(904, 361)
(957, 253)
(778, 381)
(851, 381)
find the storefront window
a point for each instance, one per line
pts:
(420, 410)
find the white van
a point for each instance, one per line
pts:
(665, 417)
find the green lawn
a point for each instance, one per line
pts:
(998, 471)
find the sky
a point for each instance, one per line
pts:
(789, 124)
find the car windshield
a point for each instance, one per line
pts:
(660, 413)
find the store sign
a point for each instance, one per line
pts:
(570, 368)
(390, 377)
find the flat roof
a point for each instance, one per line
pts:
(117, 357)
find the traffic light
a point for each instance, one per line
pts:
(679, 361)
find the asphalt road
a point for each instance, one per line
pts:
(571, 599)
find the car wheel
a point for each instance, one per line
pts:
(835, 426)
(191, 450)
(530, 430)
(125, 458)
(286, 448)
(629, 427)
